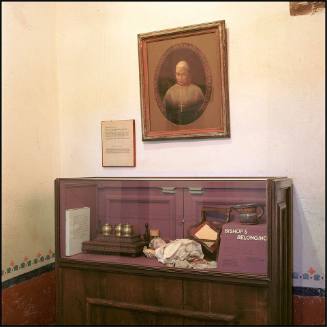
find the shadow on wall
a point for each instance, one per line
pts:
(34, 218)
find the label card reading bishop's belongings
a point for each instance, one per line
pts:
(243, 248)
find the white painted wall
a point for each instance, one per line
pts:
(30, 141)
(276, 94)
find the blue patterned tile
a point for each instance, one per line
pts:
(305, 276)
(316, 277)
(295, 275)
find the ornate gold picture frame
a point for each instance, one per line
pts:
(305, 7)
(184, 83)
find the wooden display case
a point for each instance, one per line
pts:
(252, 281)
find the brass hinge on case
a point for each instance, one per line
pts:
(195, 190)
(168, 190)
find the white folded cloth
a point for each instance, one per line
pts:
(179, 250)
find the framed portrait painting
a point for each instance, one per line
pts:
(184, 82)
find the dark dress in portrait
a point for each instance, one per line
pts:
(183, 103)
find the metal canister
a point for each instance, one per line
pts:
(118, 229)
(127, 230)
(106, 229)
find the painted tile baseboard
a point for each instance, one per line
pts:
(24, 277)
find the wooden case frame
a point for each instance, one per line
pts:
(96, 291)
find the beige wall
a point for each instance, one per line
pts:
(276, 92)
(30, 131)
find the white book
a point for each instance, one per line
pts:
(77, 229)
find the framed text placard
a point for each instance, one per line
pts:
(118, 143)
(183, 82)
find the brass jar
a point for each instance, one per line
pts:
(127, 230)
(106, 229)
(118, 229)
